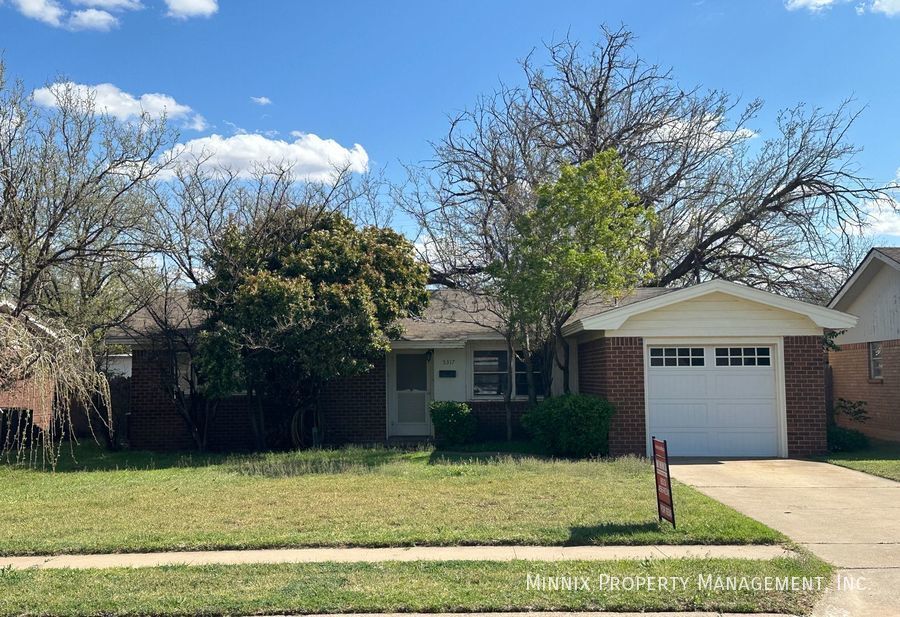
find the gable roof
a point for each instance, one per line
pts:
(614, 318)
(453, 315)
(882, 255)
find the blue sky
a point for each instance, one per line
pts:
(385, 75)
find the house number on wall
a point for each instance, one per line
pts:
(448, 362)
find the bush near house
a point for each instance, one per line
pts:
(572, 425)
(454, 423)
(846, 440)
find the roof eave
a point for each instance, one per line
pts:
(615, 318)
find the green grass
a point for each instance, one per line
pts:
(882, 459)
(124, 502)
(394, 586)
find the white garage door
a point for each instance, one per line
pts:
(713, 400)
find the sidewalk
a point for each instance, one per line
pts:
(415, 553)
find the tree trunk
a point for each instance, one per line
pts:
(507, 394)
(563, 361)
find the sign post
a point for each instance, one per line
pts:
(665, 505)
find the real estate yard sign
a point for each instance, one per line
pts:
(664, 502)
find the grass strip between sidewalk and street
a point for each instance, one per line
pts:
(404, 587)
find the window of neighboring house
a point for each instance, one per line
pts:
(489, 376)
(875, 361)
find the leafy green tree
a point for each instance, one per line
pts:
(297, 299)
(583, 238)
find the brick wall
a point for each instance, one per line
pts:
(492, 419)
(850, 369)
(32, 395)
(355, 408)
(804, 377)
(614, 369)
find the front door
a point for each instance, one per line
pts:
(408, 413)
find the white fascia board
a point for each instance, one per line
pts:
(613, 319)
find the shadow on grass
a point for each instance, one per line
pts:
(89, 456)
(598, 534)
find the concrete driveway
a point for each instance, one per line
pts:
(846, 517)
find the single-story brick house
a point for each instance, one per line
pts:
(867, 367)
(717, 369)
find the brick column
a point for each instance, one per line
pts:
(804, 380)
(613, 368)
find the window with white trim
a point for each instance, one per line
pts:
(489, 377)
(743, 356)
(677, 356)
(875, 361)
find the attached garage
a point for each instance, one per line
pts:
(714, 400)
(716, 369)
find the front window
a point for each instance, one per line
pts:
(875, 361)
(489, 377)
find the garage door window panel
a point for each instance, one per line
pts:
(677, 356)
(743, 356)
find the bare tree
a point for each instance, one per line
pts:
(774, 213)
(74, 205)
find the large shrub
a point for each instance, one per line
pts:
(842, 439)
(572, 425)
(454, 423)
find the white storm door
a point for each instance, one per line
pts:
(410, 384)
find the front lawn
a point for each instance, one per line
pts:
(126, 502)
(882, 459)
(409, 587)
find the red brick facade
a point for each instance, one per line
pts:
(850, 371)
(614, 369)
(492, 418)
(353, 411)
(32, 395)
(804, 380)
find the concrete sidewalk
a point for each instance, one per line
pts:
(415, 553)
(552, 614)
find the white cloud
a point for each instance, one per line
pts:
(47, 11)
(96, 15)
(883, 216)
(810, 5)
(111, 5)
(184, 9)
(261, 100)
(886, 7)
(92, 19)
(310, 156)
(109, 99)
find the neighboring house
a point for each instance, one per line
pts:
(867, 367)
(717, 369)
(29, 395)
